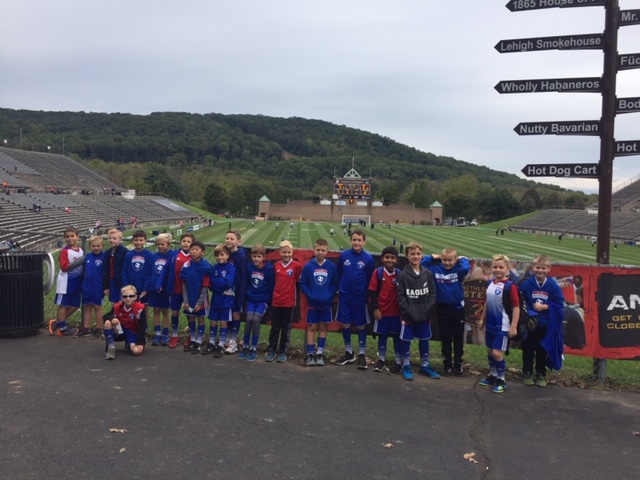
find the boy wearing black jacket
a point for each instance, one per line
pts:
(417, 298)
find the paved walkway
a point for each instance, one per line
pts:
(189, 416)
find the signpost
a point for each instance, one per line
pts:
(628, 105)
(629, 17)
(628, 61)
(580, 127)
(590, 41)
(567, 170)
(524, 5)
(626, 148)
(545, 85)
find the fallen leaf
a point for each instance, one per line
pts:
(122, 450)
(469, 456)
(118, 430)
(635, 434)
(387, 445)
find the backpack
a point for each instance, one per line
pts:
(526, 323)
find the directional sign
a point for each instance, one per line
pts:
(590, 41)
(626, 148)
(524, 5)
(629, 17)
(627, 105)
(582, 170)
(580, 127)
(628, 61)
(588, 84)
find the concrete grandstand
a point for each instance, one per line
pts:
(44, 193)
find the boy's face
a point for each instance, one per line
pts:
(320, 251)
(541, 270)
(128, 298)
(231, 241)
(196, 252)
(415, 257)
(114, 240)
(286, 253)
(222, 257)
(185, 243)
(499, 269)
(389, 261)
(162, 246)
(96, 247)
(257, 259)
(448, 260)
(71, 238)
(139, 243)
(357, 242)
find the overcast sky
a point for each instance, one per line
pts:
(421, 72)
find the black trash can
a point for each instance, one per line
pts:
(22, 292)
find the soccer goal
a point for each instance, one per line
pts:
(356, 219)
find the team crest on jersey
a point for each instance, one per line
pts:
(347, 263)
(498, 291)
(137, 262)
(360, 265)
(98, 262)
(160, 264)
(320, 276)
(289, 272)
(257, 278)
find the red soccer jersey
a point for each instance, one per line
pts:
(181, 259)
(129, 317)
(287, 276)
(388, 295)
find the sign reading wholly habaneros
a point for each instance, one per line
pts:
(619, 310)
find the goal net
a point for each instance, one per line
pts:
(356, 219)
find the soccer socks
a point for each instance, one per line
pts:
(382, 347)
(254, 341)
(405, 349)
(213, 333)
(396, 349)
(321, 343)
(62, 326)
(175, 324)
(192, 330)
(492, 366)
(501, 368)
(423, 346)
(346, 336)
(362, 341)
(310, 347)
(223, 335)
(108, 335)
(200, 334)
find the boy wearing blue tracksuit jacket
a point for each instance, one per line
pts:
(159, 295)
(138, 264)
(221, 282)
(355, 268)
(449, 271)
(238, 258)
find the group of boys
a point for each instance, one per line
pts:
(403, 302)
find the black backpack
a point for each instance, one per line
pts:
(526, 323)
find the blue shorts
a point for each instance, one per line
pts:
(159, 299)
(143, 300)
(200, 313)
(387, 325)
(93, 299)
(237, 308)
(258, 307)
(220, 314)
(411, 331)
(68, 299)
(495, 341)
(354, 315)
(318, 315)
(129, 337)
(114, 291)
(176, 302)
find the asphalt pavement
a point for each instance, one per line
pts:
(178, 415)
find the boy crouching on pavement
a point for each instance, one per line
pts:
(129, 322)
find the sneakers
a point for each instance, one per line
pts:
(528, 380)
(541, 381)
(348, 357)
(174, 342)
(457, 370)
(231, 348)
(488, 381)
(281, 358)
(210, 348)
(394, 369)
(218, 352)
(406, 372)
(164, 340)
(429, 372)
(195, 347)
(111, 352)
(270, 356)
(187, 343)
(310, 361)
(97, 334)
(251, 357)
(319, 360)
(243, 354)
(156, 340)
(499, 386)
(362, 362)
(83, 332)
(53, 326)
(67, 332)
(446, 371)
(379, 366)
(186, 347)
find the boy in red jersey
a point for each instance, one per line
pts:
(284, 300)
(129, 321)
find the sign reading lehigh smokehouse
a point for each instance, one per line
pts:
(619, 310)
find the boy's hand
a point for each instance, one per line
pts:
(377, 314)
(480, 325)
(435, 256)
(143, 294)
(513, 331)
(106, 293)
(136, 349)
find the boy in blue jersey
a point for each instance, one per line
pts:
(319, 283)
(138, 265)
(221, 283)
(68, 284)
(260, 284)
(355, 268)
(448, 271)
(499, 328)
(92, 293)
(238, 258)
(544, 345)
(195, 287)
(159, 296)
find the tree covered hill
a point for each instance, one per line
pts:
(239, 158)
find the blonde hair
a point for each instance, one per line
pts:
(286, 243)
(542, 259)
(450, 251)
(413, 246)
(96, 238)
(128, 288)
(164, 237)
(221, 248)
(501, 257)
(115, 231)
